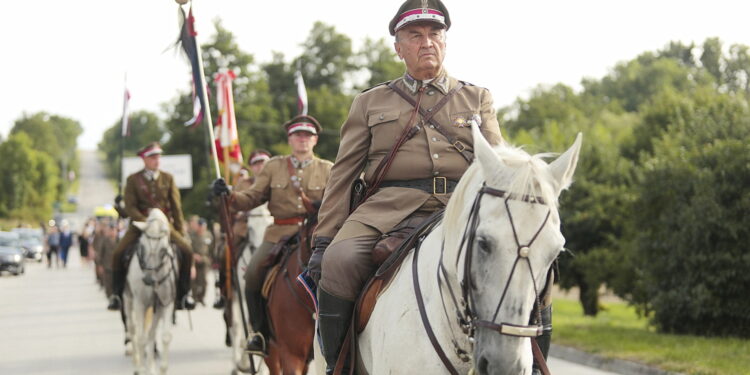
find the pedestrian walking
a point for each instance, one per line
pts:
(53, 246)
(66, 241)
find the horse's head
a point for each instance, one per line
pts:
(155, 230)
(507, 234)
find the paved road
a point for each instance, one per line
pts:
(54, 321)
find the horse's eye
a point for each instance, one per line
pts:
(484, 245)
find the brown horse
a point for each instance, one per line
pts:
(291, 313)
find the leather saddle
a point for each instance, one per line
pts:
(402, 240)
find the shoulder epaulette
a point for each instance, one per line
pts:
(466, 83)
(379, 84)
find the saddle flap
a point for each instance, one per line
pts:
(373, 288)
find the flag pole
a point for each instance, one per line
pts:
(224, 201)
(207, 109)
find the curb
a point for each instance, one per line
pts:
(619, 366)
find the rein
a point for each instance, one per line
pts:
(468, 320)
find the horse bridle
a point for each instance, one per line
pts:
(163, 253)
(467, 318)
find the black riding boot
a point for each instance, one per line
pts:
(256, 309)
(545, 339)
(118, 286)
(184, 299)
(334, 318)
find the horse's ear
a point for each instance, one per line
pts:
(483, 151)
(140, 225)
(565, 165)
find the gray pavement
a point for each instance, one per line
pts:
(54, 321)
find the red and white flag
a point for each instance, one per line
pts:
(226, 125)
(125, 113)
(301, 93)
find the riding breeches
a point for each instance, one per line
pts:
(131, 237)
(255, 274)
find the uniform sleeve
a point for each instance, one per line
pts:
(131, 200)
(490, 126)
(257, 194)
(174, 200)
(350, 160)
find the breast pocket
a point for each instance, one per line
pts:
(460, 126)
(384, 129)
(279, 181)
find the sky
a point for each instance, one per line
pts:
(71, 57)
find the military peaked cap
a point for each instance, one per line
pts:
(150, 149)
(304, 123)
(258, 156)
(420, 10)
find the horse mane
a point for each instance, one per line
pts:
(518, 173)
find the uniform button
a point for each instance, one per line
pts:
(435, 156)
(431, 93)
(299, 198)
(381, 116)
(299, 206)
(432, 126)
(434, 139)
(429, 109)
(436, 173)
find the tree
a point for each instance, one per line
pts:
(379, 59)
(690, 221)
(144, 128)
(28, 180)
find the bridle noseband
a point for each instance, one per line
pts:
(465, 315)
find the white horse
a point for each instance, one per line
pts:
(257, 221)
(151, 286)
(480, 272)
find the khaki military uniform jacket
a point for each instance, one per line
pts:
(376, 119)
(274, 185)
(142, 194)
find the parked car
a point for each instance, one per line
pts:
(11, 253)
(32, 242)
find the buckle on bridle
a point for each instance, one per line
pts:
(434, 185)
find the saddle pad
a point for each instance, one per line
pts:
(382, 278)
(268, 282)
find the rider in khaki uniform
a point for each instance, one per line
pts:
(422, 175)
(146, 189)
(276, 186)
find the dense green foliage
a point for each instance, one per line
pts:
(659, 208)
(39, 164)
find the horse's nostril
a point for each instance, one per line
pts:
(482, 366)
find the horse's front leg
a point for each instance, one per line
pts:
(139, 337)
(165, 322)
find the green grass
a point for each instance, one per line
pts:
(618, 332)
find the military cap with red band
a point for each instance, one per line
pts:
(151, 149)
(305, 123)
(259, 156)
(420, 11)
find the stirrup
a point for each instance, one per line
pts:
(251, 345)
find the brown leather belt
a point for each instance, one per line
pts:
(435, 185)
(290, 221)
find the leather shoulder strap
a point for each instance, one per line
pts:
(428, 116)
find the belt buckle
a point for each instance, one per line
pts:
(459, 146)
(434, 185)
